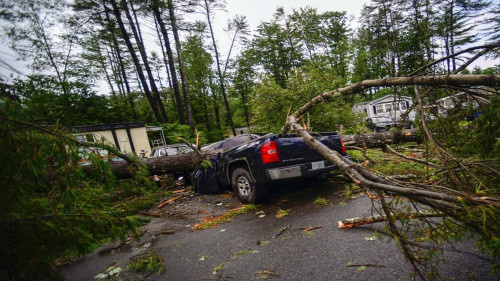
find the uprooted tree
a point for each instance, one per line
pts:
(463, 190)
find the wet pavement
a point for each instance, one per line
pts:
(258, 245)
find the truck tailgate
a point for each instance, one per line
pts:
(294, 150)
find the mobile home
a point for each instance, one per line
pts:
(386, 111)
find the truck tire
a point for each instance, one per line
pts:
(245, 187)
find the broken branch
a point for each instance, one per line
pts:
(163, 204)
(352, 222)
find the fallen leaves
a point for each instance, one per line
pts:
(282, 213)
(229, 215)
(266, 274)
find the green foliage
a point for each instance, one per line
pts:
(272, 103)
(147, 262)
(49, 207)
(320, 201)
(174, 131)
(45, 100)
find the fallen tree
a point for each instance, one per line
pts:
(465, 191)
(381, 139)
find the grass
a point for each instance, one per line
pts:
(147, 262)
(226, 217)
(390, 164)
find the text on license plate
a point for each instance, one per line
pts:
(317, 165)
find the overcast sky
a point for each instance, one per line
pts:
(257, 11)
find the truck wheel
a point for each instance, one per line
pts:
(245, 188)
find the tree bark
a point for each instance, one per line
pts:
(155, 6)
(155, 94)
(219, 70)
(140, 73)
(158, 165)
(357, 221)
(187, 102)
(381, 139)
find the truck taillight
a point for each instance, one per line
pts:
(342, 145)
(269, 152)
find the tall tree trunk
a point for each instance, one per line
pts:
(185, 93)
(155, 6)
(121, 65)
(205, 104)
(140, 73)
(452, 34)
(142, 51)
(164, 55)
(216, 106)
(112, 62)
(219, 71)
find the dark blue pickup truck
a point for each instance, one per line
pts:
(250, 163)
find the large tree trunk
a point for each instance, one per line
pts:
(155, 94)
(140, 73)
(155, 6)
(121, 63)
(159, 165)
(187, 102)
(219, 70)
(381, 139)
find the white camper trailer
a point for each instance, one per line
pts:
(386, 112)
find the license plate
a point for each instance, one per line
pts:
(318, 165)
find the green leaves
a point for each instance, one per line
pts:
(49, 207)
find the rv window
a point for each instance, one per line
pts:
(380, 109)
(366, 112)
(395, 106)
(388, 107)
(403, 105)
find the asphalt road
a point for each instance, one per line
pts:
(249, 247)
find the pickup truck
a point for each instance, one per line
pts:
(250, 163)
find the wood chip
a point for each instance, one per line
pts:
(161, 205)
(311, 228)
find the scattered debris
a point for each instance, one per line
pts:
(218, 269)
(202, 257)
(164, 203)
(228, 195)
(229, 215)
(348, 223)
(282, 213)
(374, 236)
(110, 271)
(149, 261)
(260, 214)
(167, 232)
(361, 268)
(262, 242)
(178, 191)
(350, 264)
(281, 231)
(311, 228)
(266, 274)
(320, 201)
